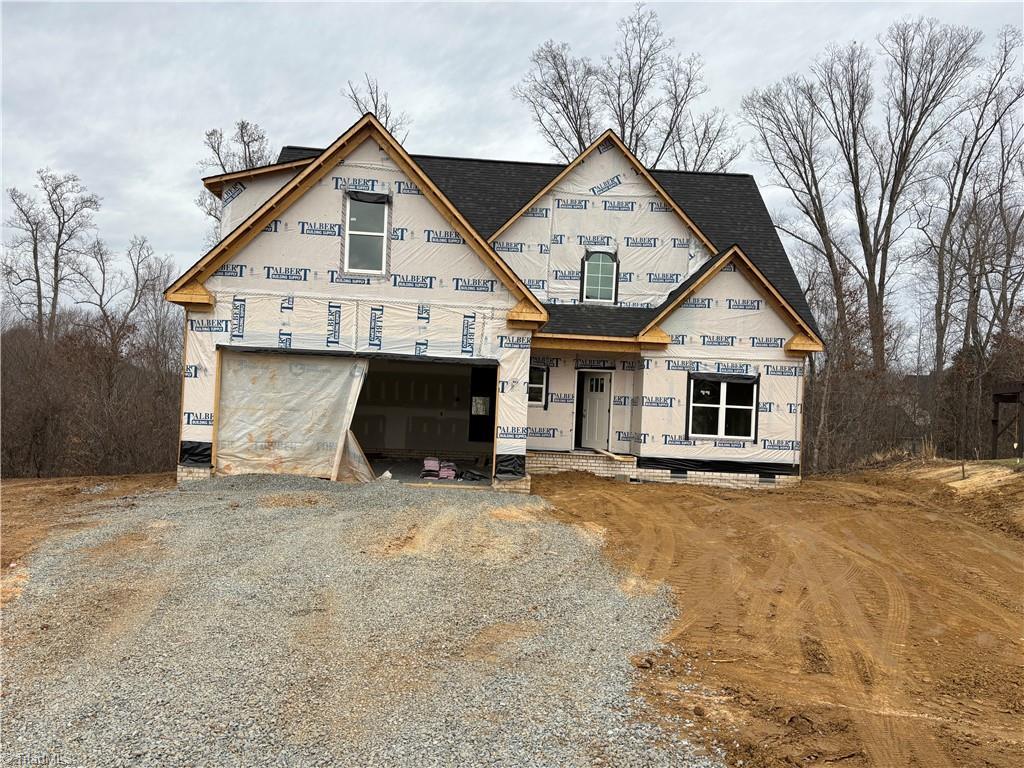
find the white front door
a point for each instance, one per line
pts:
(597, 398)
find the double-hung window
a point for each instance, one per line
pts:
(366, 237)
(723, 406)
(600, 271)
(537, 388)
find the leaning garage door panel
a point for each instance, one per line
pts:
(284, 413)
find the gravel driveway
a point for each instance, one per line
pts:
(276, 621)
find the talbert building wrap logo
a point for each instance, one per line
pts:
(333, 324)
(505, 246)
(513, 342)
(783, 370)
(474, 284)
(375, 332)
(413, 281)
(231, 193)
(237, 318)
(443, 236)
(780, 445)
(468, 334)
(606, 185)
(620, 206)
(537, 212)
(209, 326)
(230, 270)
(321, 228)
(337, 277)
(295, 274)
(198, 418)
(748, 305)
(355, 184)
(407, 188)
(676, 440)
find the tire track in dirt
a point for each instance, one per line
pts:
(863, 621)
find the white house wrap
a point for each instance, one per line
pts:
(657, 325)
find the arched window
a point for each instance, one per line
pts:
(600, 270)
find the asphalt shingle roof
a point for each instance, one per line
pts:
(596, 319)
(727, 207)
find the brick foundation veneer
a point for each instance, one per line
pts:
(519, 485)
(552, 462)
(187, 474)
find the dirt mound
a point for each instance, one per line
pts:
(862, 620)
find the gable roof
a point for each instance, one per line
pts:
(189, 288)
(807, 338)
(727, 207)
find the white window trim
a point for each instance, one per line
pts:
(722, 409)
(615, 277)
(384, 247)
(544, 388)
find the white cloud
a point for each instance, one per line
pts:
(121, 94)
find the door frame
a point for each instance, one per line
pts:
(578, 433)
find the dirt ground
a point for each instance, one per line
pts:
(32, 509)
(864, 620)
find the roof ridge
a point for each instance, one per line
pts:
(489, 160)
(545, 163)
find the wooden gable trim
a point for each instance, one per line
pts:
(610, 135)
(813, 343)
(191, 281)
(594, 343)
(217, 182)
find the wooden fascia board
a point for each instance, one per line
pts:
(217, 183)
(801, 344)
(192, 294)
(596, 343)
(245, 232)
(551, 184)
(637, 165)
(760, 282)
(767, 288)
(524, 312)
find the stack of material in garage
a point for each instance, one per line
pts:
(447, 471)
(431, 468)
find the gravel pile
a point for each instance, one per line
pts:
(282, 621)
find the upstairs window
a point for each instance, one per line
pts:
(600, 272)
(723, 406)
(366, 236)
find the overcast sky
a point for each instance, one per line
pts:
(121, 94)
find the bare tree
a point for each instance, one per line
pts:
(706, 142)
(794, 143)
(49, 237)
(246, 147)
(378, 101)
(956, 177)
(158, 339)
(841, 166)
(115, 294)
(644, 90)
(23, 266)
(562, 92)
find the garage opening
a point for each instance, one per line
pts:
(410, 410)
